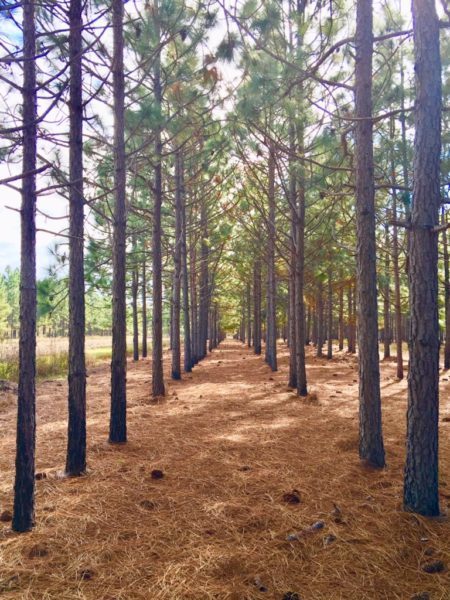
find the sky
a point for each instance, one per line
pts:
(10, 229)
(52, 204)
(10, 199)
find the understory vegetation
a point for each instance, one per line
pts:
(276, 172)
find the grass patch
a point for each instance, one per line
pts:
(48, 366)
(55, 365)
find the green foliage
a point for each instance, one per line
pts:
(4, 309)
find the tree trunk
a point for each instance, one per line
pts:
(257, 306)
(176, 295)
(144, 308)
(171, 318)
(292, 343)
(118, 423)
(211, 330)
(314, 324)
(302, 388)
(330, 316)
(158, 388)
(271, 342)
(404, 148)
(134, 297)
(23, 518)
(354, 319)
(216, 326)
(249, 316)
(341, 313)
(387, 297)
(76, 435)
(397, 291)
(291, 324)
(194, 319)
(350, 318)
(204, 283)
(371, 447)
(446, 295)
(320, 323)
(308, 326)
(292, 262)
(184, 271)
(421, 470)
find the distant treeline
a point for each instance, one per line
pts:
(53, 307)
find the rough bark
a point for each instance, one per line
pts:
(118, 424)
(350, 318)
(341, 314)
(302, 388)
(76, 434)
(216, 326)
(446, 295)
(134, 302)
(308, 325)
(211, 330)
(257, 306)
(204, 283)
(397, 295)
(320, 319)
(291, 337)
(314, 327)
(354, 319)
(271, 342)
(194, 318)
(176, 288)
(330, 316)
(387, 296)
(371, 447)
(421, 470)
(158, 388)
(23, 517)
(184, 272)
(249, 315)
(144, 309)
(291, 328)
(292, 317)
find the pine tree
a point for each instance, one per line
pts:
(421, 470)
(371, 447)
(76, 442)
(23, 517)
(118, 423)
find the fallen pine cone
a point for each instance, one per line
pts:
(317, 526)
(86, 574)
(436, 566)
(292, 497)
(148, 504)
(329, 539)
(6, 516)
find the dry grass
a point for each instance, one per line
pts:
(231, 440)
(52, 356)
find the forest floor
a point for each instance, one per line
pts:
(237, 448)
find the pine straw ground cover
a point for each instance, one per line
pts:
(246, 464)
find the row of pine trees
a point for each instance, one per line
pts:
(243, 188)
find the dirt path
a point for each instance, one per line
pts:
(232, 440)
